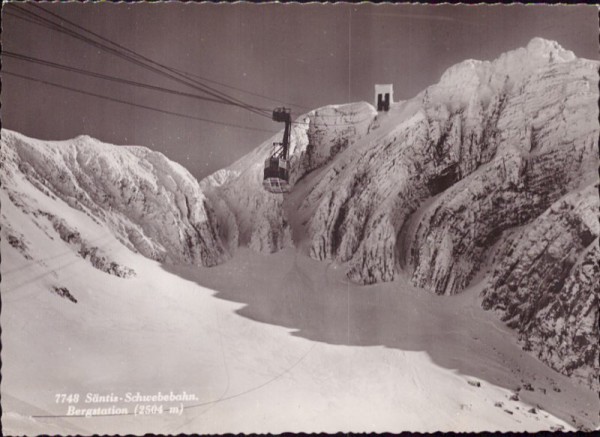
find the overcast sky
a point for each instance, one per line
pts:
(308, 55)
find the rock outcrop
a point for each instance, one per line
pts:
(497, 142)
(545, 285)
(546, 145)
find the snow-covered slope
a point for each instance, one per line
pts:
(431, 187)
(324, 350)
(150, 203)
(309, 366)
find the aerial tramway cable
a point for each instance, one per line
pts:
(262, 96)
(140, 56)
(142, 61)
(138, 60)
(188, 75)
(182, 74)
(81, 71)
(150, 108)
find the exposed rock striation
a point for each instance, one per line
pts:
(545, 285)
(496, 142)
(546, 146)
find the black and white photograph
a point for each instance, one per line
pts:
(286, 217)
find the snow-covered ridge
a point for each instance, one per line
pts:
(516, 63)
(153, 205)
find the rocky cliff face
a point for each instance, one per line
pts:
(489, 147)
(435, 184)
(545, 285)
(546, 145)
(152, 205)
(497, 141)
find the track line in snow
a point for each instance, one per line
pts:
(216, 401)
(227, 385)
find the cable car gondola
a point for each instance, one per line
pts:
(276, 174)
